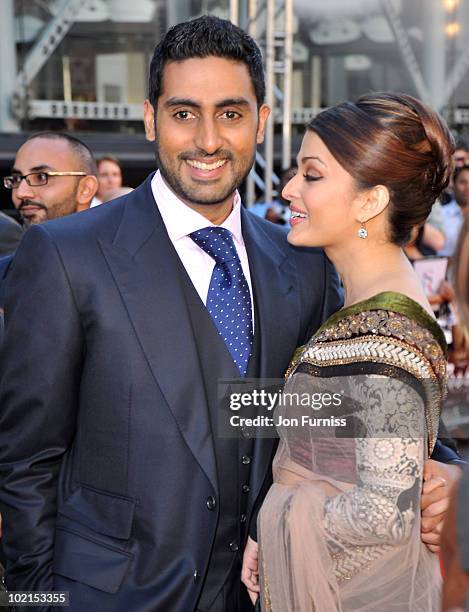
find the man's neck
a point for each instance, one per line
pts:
(215, 213)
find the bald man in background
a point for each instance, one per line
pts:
(54, 175)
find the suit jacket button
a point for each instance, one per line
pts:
(245, 460)
(196, 575)
(242, 518)
(245, 488)
(211, 502)
(234, 547)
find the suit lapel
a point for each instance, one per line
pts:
(275, 281)
(146, 270)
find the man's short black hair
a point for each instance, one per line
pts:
(82, 151)
(204, 37)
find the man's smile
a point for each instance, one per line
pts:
(206, 166)
(199, 169)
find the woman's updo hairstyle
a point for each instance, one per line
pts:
(396, 141)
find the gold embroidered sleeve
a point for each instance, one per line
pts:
(381, 507)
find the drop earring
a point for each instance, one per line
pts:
(362, 232)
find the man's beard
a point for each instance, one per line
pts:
(28, 221)
(53, 211)
(193, 195)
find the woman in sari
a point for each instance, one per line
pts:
(339, 529)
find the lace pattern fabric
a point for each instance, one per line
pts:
(383, 337)
(340, 528)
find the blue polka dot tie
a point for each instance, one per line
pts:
(228, 299)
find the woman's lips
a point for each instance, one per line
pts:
(297, 216)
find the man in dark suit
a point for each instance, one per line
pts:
(115, 483)
(116, 486)
(54, 175)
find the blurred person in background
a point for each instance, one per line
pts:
(277, 211)
(117, 193)
(274, 215)
(54, 175)
(286, 176)
(425, 241)
(109, 178)
(10, 234)
(455, 535)
(460, 158)
(455, 210)
(461, 154)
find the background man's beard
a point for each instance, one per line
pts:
(28, 221)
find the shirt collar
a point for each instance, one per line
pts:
(180, 220)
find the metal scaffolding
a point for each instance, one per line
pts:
(270, 98)
(405, 48)
(8, 58)
(48, 42)
(430, 82)
(271, 23)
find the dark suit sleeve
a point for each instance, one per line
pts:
(10, 235)
(445, 449)
(39, 388)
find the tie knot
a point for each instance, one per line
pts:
(217, 242)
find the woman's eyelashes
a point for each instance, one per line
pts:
(311, 177)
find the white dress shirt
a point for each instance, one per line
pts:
(95, 202)
(180, 221)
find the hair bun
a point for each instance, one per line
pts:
(441, 143)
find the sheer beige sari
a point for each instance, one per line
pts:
(340, 527)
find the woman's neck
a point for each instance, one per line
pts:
(371, 269)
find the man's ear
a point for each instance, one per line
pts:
(372, 204)
(149, 121)
(87, 188)
(264, 113)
